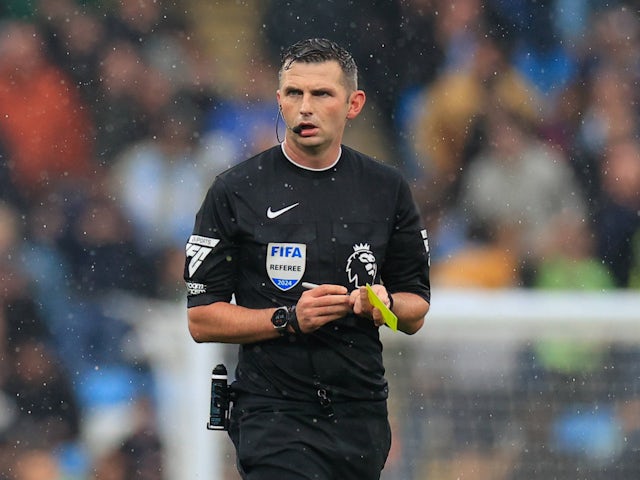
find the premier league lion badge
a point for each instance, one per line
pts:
(361, 265)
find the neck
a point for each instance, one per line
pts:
(310, 162)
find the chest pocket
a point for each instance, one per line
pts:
(360, 251)
(292, 233)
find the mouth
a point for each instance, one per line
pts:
(307, 129)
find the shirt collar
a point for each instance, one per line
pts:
(309, 168)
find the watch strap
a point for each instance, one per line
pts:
(293, 320)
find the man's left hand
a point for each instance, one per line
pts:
(361, 305)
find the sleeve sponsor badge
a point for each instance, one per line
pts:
(197, 249)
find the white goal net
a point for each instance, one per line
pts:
(498, 385)
(518, 385)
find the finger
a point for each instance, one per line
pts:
(316, 318)
(377, 317)
(328, 310)
(326, 289)
(364, 300)
(325, 301)
(382, 293)
(328, 305)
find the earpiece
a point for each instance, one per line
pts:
(297, 129)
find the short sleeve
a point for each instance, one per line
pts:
(211, 250)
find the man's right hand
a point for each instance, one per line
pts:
(321, 305)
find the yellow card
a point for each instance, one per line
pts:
(389, 317)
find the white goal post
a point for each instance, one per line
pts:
(521, 314)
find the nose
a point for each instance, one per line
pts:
(305, 104)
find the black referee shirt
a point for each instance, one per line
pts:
(267, 224)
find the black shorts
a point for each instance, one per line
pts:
(299, 441)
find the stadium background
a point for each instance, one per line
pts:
(517, 125)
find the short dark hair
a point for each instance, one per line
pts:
(318, 50)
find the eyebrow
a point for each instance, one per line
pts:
(314, 91)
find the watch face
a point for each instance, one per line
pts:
(279, 318)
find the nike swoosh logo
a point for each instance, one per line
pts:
(277, 213)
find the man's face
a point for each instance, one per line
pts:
(314, 98)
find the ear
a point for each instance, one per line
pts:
(356, 103)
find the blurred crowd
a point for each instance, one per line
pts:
(516, 122)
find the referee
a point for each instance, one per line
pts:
(310, 392)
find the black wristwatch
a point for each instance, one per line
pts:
(283, 317)
(280, 320)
